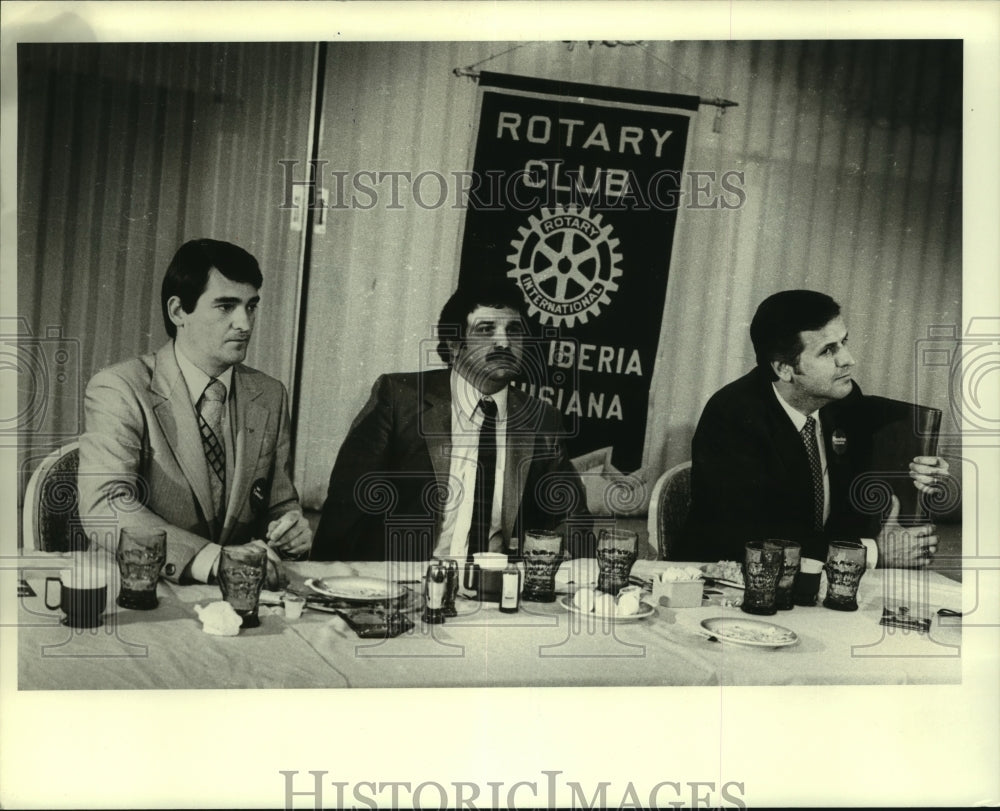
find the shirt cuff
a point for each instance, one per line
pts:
(871, 550)
(204, 562)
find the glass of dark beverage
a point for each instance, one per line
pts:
(806, 586)
(761, 572)
(617, 550)
(141, 555)
(83, 592)
(542, 552)
(845, 564)
(242, 572)
(783, 598)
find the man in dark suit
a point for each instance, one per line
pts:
(454, 461)
(775, 452)
(188, 439)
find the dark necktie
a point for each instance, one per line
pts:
(812, 452)
(211, 407)
(486, 474)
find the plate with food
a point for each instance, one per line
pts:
(589, 602)
(724, 573)
(756, 633)
(358, 590)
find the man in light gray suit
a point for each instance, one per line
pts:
(190, 440)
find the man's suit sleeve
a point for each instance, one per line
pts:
(581, 542)
(339, 535)
(112, 488)
(284, 496)
(726, 478)
(555, 497)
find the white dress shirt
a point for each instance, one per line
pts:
(466, 422)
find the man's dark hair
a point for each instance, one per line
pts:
(779, 320)
(455, 313)
(187, 273)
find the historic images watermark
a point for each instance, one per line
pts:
(547, 791)
(44, 370)
(547, 183)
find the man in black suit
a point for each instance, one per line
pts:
(775, 452)
(454, 461)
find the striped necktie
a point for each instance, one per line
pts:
(812, 452)
(211, 408)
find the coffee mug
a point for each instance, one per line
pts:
(83, 594)
(484, 575)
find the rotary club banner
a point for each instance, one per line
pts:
(574, 195)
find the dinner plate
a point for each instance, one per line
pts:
(645, 610)
(361, 590)
(755, 633)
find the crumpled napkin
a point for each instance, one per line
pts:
(579, 571)
(219, 619)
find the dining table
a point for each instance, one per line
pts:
(542, 644)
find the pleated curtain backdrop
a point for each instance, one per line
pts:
(125, 151)
(851, 162)
(851, 159)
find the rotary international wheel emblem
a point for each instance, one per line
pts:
(566, 263)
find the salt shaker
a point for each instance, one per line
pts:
(435, 586)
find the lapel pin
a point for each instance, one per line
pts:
(258, 495)
(839, 441)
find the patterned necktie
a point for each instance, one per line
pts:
(486, 473)
(812, 451)
(211, 407)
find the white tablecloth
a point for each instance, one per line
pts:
(542, 645)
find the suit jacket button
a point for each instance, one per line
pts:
(169, 569)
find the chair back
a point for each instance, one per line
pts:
(51, 521)
(668, 510)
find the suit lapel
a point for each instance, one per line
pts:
(835, 445)
(179, 424)
(791, 450)
(435, 424)
(248, 432)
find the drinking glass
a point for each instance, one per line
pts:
(617, 550)
(542, 553)
(761, 572)
(141, 555)
(783, 598)
(242, 571)
(845, 563)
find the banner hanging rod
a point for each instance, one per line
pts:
(471, 73)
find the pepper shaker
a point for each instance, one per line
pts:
(451, 590)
